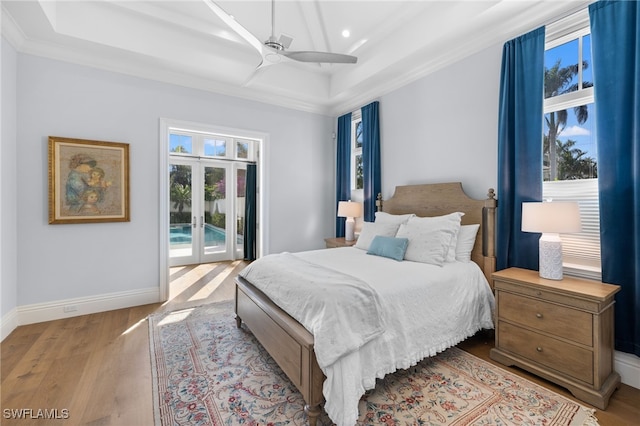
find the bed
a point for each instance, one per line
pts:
(347, 375)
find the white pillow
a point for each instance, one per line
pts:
(382, 217)
(426, 245)
(371, 229)
(449, 221)
(466, 241)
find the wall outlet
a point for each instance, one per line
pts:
(70, 308)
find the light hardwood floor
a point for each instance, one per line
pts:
(98, 366)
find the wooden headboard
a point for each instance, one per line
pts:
(444, 198)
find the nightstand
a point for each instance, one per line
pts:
(338, 242)
(560, 330)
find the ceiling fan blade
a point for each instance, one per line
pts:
(321, 57)
(235, 25)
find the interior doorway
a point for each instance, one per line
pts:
(202, 188)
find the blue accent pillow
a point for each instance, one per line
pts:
(393, 248)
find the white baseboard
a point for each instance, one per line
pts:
(9, 323)
(40, 312)
(628, 366)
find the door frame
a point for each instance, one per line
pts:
(165, 125)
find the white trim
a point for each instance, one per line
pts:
(66, 308)
(569, 100)
(628, 366)
(9, 323)
(163, 209)
(565, 29)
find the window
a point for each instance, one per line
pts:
(215, 147)
(357, 177)
(570, 157)
(196, 144)
(180, 144)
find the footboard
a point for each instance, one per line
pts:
(288, 343)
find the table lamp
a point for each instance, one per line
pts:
(350, 210)
(551, 218)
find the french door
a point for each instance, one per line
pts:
(206, 210)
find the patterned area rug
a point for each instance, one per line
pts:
(206, 371)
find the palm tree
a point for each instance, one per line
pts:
(557, 81)
(573, 164)
(180, 196)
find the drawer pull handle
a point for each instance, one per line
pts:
(538, 315)
(539, 349)
(538, 293)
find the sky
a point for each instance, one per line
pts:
(583, 134)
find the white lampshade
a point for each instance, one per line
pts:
(349, 209)
(551, 218)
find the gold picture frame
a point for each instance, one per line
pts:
(88, 181)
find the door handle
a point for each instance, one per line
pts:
(201, 221)
(193, 223)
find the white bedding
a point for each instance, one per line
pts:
(323, 300)
(426, 308)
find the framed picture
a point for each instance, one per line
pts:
(88, 181)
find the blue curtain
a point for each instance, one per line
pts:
(371, 158)
(519, 147)
(343, 168)
(615, 44)
(250, 213)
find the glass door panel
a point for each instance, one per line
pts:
(182, 219)
(216, 212)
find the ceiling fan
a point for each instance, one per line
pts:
(274, 49)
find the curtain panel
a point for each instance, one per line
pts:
(343, 168)
(250, 216)
(519, 147)
(371, 158)
(615, 38)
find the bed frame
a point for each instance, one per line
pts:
(291, 345)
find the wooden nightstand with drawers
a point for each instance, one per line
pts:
(559, 330)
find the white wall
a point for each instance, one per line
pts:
(8, 191)
(66, 262)
(444, 127)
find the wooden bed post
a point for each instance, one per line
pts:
(379, 202)
(488, 236)
(313, 413)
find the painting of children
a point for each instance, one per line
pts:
(88, 181)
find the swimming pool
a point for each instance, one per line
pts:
(180, 234)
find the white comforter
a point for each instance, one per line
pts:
(426, 308)
(321, 299)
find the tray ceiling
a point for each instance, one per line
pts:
(184, 42)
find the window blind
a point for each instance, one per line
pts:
(581, 251)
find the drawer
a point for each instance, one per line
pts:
(550, 318)
(552, 296)
(563, 357)
(283, 349)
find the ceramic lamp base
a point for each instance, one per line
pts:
(550, 246)
(349, 229)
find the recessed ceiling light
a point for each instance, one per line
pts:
(346, 33)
